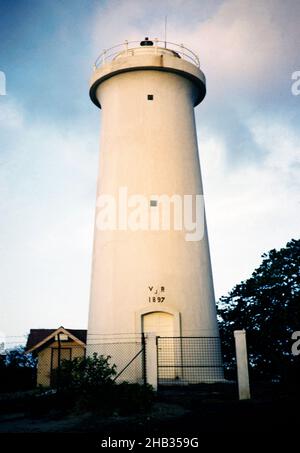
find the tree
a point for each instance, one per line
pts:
(18, 371)
(267, 305)
(16, 358)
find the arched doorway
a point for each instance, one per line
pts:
(158, 322)
(162, 324)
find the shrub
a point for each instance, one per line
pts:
(17, 371)
(85, 373)
(87, 384)
(133, 398)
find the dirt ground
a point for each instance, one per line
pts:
(176, 412)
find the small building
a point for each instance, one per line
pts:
(52, 346)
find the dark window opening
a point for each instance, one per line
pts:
(153, 203)
(150, 97)
(56, 356)
(146, 42)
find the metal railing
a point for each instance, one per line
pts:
(189, 360)
(129, 48)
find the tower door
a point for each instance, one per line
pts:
(162, 324)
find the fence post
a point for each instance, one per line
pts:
(58, 363)
(144, 358)
(151, 360)
(242, 364)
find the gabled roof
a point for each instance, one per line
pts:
(40, 337)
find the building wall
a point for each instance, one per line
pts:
(150, 147)
(44, 360)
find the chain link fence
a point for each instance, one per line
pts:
(189, 360)
(180, 360)
(127, 354)
(44, 371)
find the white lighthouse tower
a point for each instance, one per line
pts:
(149, 273)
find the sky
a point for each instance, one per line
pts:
(248, 136)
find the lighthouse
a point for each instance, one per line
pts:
(151, 267)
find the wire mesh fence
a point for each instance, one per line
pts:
(189, 360)
(128, 355)
(51, 359)
(180, 360)
(46, 367)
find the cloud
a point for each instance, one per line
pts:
(248, 141)
(48, 190)
(251, 208)
(245, 51)
(121, 20)
(246, 45)
(248, 56)
(11, 116)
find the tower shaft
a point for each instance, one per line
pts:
(151, 277)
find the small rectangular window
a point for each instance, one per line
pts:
(150, 97)
(153, 203)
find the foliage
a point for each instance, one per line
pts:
(16, 358)
(133, 398)
(267, 305)
(18, 371)
(87, 384)
(86, 373)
